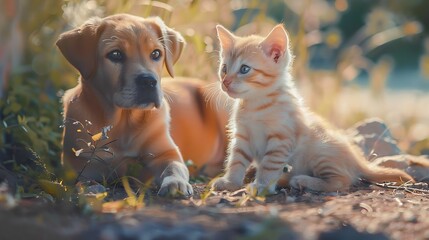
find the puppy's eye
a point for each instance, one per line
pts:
(223, 69)
(155, 55)
(244, 69)
(116, 56)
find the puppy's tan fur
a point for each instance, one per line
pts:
(110, 93)
(197, 124)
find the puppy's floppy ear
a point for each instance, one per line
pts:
(79, 46)
(173, 46)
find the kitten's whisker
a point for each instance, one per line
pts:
(215, 95)
(169, 93)
(372, 151)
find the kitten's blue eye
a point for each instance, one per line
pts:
(244, 69)
(223, 70)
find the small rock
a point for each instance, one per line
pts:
(97, 188)
(399, 194)
(409, 217)
(224, 201)
(374, 138)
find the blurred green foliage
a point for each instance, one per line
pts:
(30, 108)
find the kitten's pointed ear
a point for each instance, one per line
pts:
(226, 38)
(276, 43)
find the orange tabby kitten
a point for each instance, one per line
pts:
(271, 125)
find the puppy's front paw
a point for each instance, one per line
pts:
(257, 189)
(173, 186)
(223, 183)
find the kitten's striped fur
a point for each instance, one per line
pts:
(271, 126)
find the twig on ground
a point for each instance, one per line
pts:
(410, 188)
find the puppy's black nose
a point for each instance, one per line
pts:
(146, 80)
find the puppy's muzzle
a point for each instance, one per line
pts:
(148, 92)
(146, 81)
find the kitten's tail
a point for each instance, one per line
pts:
(383, 174)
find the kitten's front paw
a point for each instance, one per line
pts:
(173, 186)
(299, 182)
(223, 183)
(257, 189)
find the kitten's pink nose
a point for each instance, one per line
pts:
(227, 81)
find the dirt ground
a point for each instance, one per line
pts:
(365, 212)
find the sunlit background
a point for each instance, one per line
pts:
(355, 59)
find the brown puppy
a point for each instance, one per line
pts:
(198, 124)
(120, 59)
